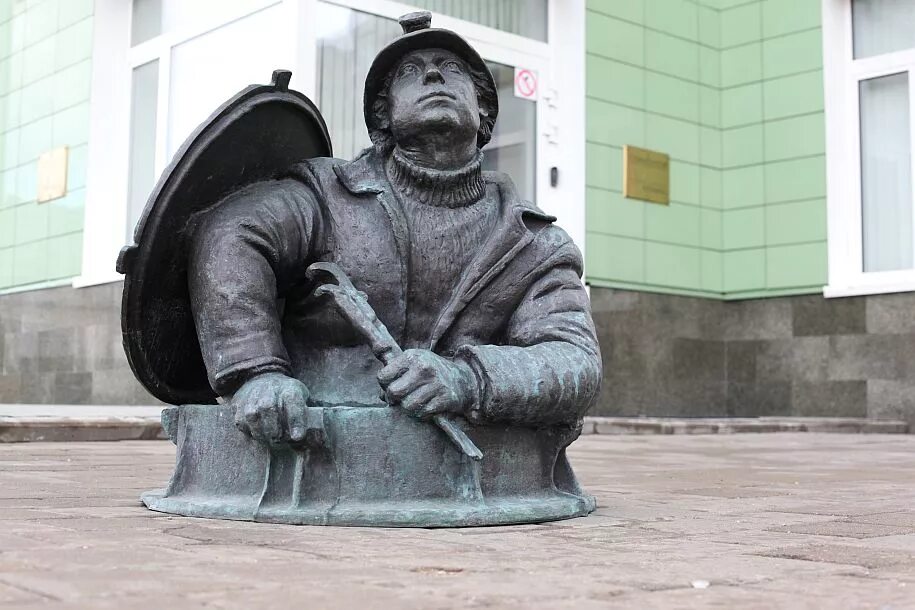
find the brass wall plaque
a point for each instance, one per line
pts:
(52, 174)
(646, 175)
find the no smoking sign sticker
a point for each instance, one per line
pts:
(525, 84)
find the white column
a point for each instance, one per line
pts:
(567, 40)
(104, 226)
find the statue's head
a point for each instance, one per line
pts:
(429, 80)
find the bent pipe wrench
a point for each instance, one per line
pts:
(354, 306)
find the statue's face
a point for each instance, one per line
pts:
(432, 90)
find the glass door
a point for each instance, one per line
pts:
(347, 42)
(169, 63)
(185, 60)
(513, 148)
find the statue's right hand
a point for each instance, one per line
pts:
(271, 408)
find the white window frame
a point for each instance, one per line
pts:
(113, 60)
(560, 63)
(161, 47)
(842, 74)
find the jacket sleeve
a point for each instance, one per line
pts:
(549, 369)
(246, 254)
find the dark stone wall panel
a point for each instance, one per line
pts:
(36, 388)
(72, 388)
(20, 352)
(698, 360)
(891, 314)
(810, 358)
(891, 400)
(689, 398)
(10, 388)
(57, 349)
(870, 356)
(775, 360)
(741, 361)
(829, 398)
(663, 355)
(116, 386)
(761, 319)
(759, 399)
(63, 346)
(805, 355)
(814, 315)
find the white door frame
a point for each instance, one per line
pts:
(560, 140)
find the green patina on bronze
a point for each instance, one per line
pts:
(369, 466)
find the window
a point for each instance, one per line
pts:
(886, 172)
(882, 26)
(869, 65)
(144, 93)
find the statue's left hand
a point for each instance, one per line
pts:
(271, 407)
(425, 384)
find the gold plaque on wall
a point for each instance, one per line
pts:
(52, 174)
(646, 175)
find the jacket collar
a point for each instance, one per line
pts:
(519, 222)
(365, 174)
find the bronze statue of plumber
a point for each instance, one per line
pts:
(396, 340)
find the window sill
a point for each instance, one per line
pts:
(84, 281)
(834, 291)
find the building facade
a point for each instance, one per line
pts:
(776, 281)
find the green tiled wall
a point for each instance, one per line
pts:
(774, 143)
(732, 91)
(652, 80)
(45, 49)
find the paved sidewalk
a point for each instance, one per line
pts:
(736, 521)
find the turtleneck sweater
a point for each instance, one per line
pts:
(450, 214)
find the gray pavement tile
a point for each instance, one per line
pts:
(844, 529)
(853, 591)
(734, 492)
(769, 521)
(866, 557)
(11, 595)
(900, 518)
(901, 542)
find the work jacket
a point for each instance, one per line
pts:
(519, 315)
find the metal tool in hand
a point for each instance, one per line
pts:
(354, 306)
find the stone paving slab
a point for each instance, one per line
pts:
(715, 521)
